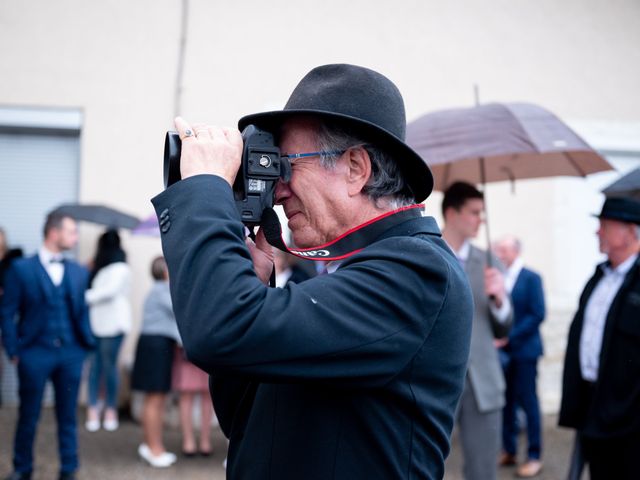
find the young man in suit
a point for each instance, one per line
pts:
(480, 410)
(351, 375)
(601, 379)
(46, 333)
(521, 351)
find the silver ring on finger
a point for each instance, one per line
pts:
(188, 133)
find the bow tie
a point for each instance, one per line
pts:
(56, 260)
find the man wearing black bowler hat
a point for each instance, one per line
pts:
(352, 375)
(601, 382)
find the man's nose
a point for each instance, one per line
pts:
(282, 192)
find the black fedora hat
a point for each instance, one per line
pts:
(363, 100)
(621, 209)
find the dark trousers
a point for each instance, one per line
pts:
(520, 376)
(612, 457)
(37, 364)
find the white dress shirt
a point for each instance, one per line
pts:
(283, 277)
(52, 263)
(595, 316)
(511, 275)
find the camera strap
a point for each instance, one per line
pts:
(345, 245)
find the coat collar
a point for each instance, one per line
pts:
(414, 226)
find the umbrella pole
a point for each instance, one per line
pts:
(483, 178)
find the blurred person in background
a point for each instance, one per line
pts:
(153, 362)
(7, 255)
(110, 316)
(189, 381)
(45, 294)
(601, 379)
(521, 351)
(288, 269)
(480, 410)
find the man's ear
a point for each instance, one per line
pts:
(358, 169)
(448, 213)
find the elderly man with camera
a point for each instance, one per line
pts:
(356, 374)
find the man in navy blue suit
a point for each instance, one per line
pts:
(46, 333)
(521, 351)
(351, 375)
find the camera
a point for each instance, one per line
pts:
(255, 184)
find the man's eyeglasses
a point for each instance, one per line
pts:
(330, 153)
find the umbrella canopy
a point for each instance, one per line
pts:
(99, 214)
(496, 142)
(626, 186)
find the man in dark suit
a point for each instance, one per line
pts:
(46, 333)
(521, 350)
(351, 375)
(601, 380)
(480, 412)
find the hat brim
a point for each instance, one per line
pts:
(415, 170)
(635, 219)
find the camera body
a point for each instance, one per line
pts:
(255, 184)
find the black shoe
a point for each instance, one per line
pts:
(67, 476)
(19, 476)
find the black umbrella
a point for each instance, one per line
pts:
(99, 214)
(626, 186)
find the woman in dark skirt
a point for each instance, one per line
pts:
(152, 366)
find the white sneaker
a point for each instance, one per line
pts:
(92, 425)
(163, 460)
(110, 425)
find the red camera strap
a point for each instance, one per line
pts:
(345, 245)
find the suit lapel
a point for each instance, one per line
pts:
(612, 315)
(70, 288)
(519, 284)
(43, 278)
(473, 265)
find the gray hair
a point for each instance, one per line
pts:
(386, 184)
(637, 232)
(514, 241)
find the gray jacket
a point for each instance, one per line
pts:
(485, 373)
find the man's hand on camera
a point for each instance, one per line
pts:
(262, 256)
(207, 149)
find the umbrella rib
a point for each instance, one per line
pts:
(575, 164)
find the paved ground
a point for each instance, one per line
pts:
(106, 455)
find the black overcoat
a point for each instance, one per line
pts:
(353, 375)
(615, 410)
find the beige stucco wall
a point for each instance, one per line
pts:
(116, 60)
